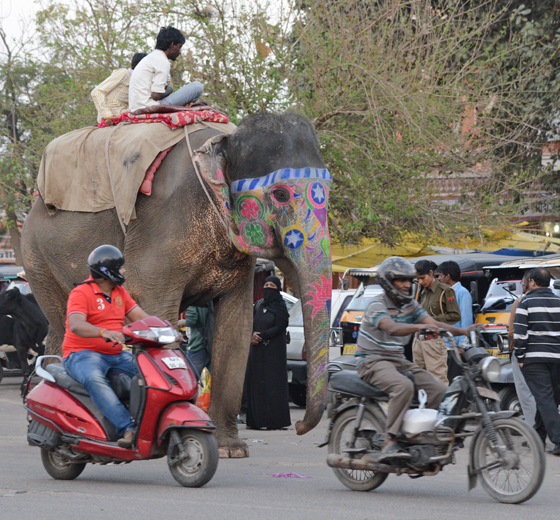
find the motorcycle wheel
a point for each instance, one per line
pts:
(201, 462)
(59, 467)
(343, 427)
(518, 483)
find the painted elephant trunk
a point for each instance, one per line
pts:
(316, 292)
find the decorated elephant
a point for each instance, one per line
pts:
(259, 192)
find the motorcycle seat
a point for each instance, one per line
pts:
(348, 382)
(120, 383)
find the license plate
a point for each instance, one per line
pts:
(290, 376)
(174, 362)
(349, 350)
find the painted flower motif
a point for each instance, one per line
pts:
(320, 298)
(249, 209)
(255, 234)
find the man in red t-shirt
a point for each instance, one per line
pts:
(96, 312)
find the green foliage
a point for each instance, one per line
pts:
(405, 94)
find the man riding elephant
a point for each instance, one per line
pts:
(261, 191)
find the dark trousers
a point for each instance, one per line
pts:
(543, 380)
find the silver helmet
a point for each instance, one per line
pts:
(392, 269)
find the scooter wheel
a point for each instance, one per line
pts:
(201, 461)
(59, 467)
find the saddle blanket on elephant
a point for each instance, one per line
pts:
(173, 119)
(94, 169)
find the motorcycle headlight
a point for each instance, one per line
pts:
(503, 343)
(490, 368)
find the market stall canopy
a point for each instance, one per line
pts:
(507, 242)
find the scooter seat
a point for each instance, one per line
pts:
(64, 380)
(120, 383)
(348, 382)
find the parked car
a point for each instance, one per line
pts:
(297, 358)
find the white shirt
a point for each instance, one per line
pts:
(150, 75)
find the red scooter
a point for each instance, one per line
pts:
(71, 431)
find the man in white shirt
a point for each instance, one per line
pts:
(149, 81)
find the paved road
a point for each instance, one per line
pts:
(243, 489)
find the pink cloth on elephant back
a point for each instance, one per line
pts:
(146, 187)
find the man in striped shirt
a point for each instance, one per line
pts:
(537, 349)
(111, 96)
(389, 321)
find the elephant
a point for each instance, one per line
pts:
(261, 191)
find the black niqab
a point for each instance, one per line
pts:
(274, 302)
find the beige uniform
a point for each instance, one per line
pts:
(441, 304)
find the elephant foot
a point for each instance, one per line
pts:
(232, 449)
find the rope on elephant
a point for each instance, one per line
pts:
(203, 184)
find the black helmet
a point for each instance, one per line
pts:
(105, 262)
(392, 269)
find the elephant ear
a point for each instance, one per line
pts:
(211, 164)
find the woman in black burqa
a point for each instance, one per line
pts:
(267, 379)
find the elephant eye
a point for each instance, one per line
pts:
(282, 195)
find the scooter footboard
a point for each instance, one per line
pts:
(183, 414)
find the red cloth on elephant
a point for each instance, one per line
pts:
(173, 120)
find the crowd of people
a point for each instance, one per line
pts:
(394, 316)
(146, 84)
(98, 307)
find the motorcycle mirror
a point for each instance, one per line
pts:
(474, 291)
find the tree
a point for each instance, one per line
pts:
(401, 91)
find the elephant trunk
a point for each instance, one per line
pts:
(314, 287)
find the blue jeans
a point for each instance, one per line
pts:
(200, 359)
(90, 369)
(188, 93)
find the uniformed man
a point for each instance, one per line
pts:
(440, 302)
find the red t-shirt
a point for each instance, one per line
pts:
(87, 299)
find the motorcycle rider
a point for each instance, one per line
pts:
(388, 322)
(96, 312)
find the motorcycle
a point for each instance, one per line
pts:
(506, 454)
(72, 432)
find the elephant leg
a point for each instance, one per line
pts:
(232, 336)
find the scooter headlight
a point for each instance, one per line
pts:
(165, 334)
(490, 368)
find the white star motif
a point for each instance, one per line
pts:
(318, 193)
(292, 238)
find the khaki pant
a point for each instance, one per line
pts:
(386, 374)
(431, 355)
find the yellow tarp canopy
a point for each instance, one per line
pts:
(370, 252)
